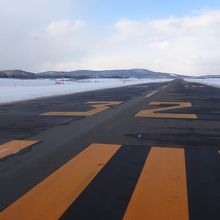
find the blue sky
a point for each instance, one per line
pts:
(171, 36)
(142, 9)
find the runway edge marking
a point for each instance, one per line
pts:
(161, 191)
(50, 198)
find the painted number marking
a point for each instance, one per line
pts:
(98, 106)
(158, 112)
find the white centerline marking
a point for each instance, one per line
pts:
(151, 94)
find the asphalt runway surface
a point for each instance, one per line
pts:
(140, 152)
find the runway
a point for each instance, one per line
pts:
(140, 152)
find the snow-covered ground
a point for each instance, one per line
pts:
(16, 90)
(208, 81)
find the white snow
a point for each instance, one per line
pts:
(16, 90)
(207, 81)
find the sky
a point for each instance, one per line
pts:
(168, 36)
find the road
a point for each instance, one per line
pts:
(140, 152)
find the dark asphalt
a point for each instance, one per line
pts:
(61, 138)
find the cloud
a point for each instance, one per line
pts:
(28, 38)
(160, 44)
(59, 42)
(44, 48)
(186, 45)
(64, 27)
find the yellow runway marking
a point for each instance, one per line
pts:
(151, 94)
(13, 147)
(161, 191)
(156, 112)
(99, 106)
(49, 199)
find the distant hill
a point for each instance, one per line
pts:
(136, 73)
(84, 74)
(132, 73)
(19, 74)
(207, 76)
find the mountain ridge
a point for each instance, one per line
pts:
(19, 74)
(84, 74)
(79, 74)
